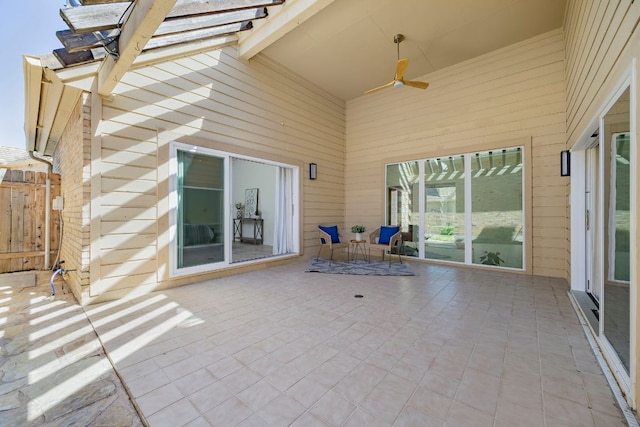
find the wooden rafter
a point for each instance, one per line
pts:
(79, 57)
(205, 33)
(197, 7)
(73, 42)
(172, 26)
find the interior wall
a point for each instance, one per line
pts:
(511, 94)
(248, 174)
(213, 100)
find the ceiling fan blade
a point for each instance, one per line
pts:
(401, 67)
(375, 89)
(419, 85)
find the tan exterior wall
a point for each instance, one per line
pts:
(211, 100)
(72, 161)
(505, 98)
(599, 46)
(602, 42)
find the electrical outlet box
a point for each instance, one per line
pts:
(58, 203)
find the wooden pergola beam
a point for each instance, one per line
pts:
(190, 36)
(178, 25)
(143, 21)
(196, 7)
(77, 42)
(100, 17)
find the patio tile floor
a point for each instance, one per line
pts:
(450, 346)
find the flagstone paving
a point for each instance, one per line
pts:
(53, 369)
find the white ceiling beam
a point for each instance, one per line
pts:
(280, 21)
(143, 21)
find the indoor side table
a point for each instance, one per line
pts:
(359, 245)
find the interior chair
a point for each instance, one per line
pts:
(330, 238)
(387, 238)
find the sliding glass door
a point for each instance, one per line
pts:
(229, 209)
(608, 235)
(470, 206)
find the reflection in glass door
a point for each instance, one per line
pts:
(616, 251)
(200, 222)
(444, 216)
(402, 203)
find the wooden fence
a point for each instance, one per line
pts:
(22, 220)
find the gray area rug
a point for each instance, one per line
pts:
(375, 268)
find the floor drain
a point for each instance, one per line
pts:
(358, 296)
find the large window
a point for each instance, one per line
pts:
(470, 207)
(207, 230)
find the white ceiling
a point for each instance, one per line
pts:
(348, 47)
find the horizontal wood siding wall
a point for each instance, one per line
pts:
(511, 94)
(601, 39)
(598, 37)
(250, 108)
(72, 160)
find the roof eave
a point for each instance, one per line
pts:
(33, 70)
(49, 103)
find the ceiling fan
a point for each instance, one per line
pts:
(401, 67)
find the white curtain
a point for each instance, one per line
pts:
(283, 232)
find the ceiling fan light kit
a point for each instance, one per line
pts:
(401, 67)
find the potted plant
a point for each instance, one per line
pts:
(358, 230)
(239, 209)
(491, 258)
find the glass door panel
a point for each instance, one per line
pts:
(444, 209)
(403, 203)
(200, 225)
(617, 246)
(497, 208)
